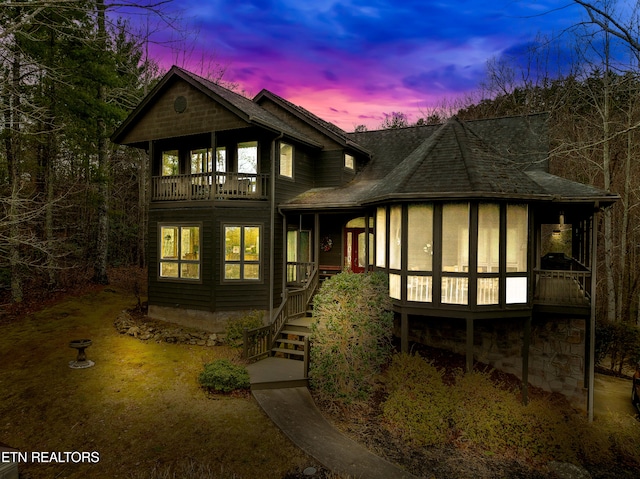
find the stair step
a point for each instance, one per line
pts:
(295, 332)
(290, 341)
(288, 351)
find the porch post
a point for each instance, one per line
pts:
(404, 332)
(589, 359)
(526, 341)
(469, 345)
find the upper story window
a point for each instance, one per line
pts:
(170, 163)
(349, 162)
(221, 159)
(286, 160)
(179, 247)
(248, 157)
(201, 161)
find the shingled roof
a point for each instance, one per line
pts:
(238, 104)
(498, 158)
(314, 121)
(455, 161)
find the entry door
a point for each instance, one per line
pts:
(355, 249)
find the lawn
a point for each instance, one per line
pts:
(139, 407)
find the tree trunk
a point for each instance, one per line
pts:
(102, 243)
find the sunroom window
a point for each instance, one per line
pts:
(455, 253)
(488, 253)
(420, 252)
(517, 227)
(426, 249)
(180, 252)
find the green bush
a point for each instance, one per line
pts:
(235, 327)
(475, 412)
(224, 376)
(351, 335)
(418, 407)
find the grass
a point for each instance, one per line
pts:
(139, 407)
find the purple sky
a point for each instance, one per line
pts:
(352, 61)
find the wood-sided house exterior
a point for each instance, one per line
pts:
(254, 200)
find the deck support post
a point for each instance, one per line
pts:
(469, 367)
(526, 341)
(590, 348)
(404, 333)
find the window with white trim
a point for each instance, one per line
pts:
(180, 252)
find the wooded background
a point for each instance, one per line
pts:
(72, 204)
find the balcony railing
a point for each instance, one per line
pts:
(564, 288)
(209, 186)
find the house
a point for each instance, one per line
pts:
(254, 201)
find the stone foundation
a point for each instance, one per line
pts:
(214, 322)
(556, 350)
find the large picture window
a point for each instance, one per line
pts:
(242, 253)
(180, 252)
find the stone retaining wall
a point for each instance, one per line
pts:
(556, 350)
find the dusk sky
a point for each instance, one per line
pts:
(352, 61)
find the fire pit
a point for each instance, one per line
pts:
(81, 361)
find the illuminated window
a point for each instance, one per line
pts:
(286, 160)
(170, 163)
(349, 162)
(455, 253)
(180, 252)
(241, 253)
(381, 237)
(488, 253)
(248, 157)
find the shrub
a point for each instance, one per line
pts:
(224, 376)
(478, 413)
(235, 327)
(418, 406)
(351, 335)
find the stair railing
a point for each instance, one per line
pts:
(258, 342)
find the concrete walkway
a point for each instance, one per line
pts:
(295, 413)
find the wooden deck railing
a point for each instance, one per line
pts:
(259, 341)
(561, 287)
(208, 186)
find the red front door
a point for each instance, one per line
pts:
(355, 249)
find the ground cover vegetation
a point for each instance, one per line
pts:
(415, 413)
(140, 407)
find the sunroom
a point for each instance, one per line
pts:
(462, 255)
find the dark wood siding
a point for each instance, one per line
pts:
(229, 295)
(181, 294)
(309, 131)
(201, 116)
(212, 293)
(330, 170)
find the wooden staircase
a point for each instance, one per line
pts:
(291, 343)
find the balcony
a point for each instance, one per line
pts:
(209, 186)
